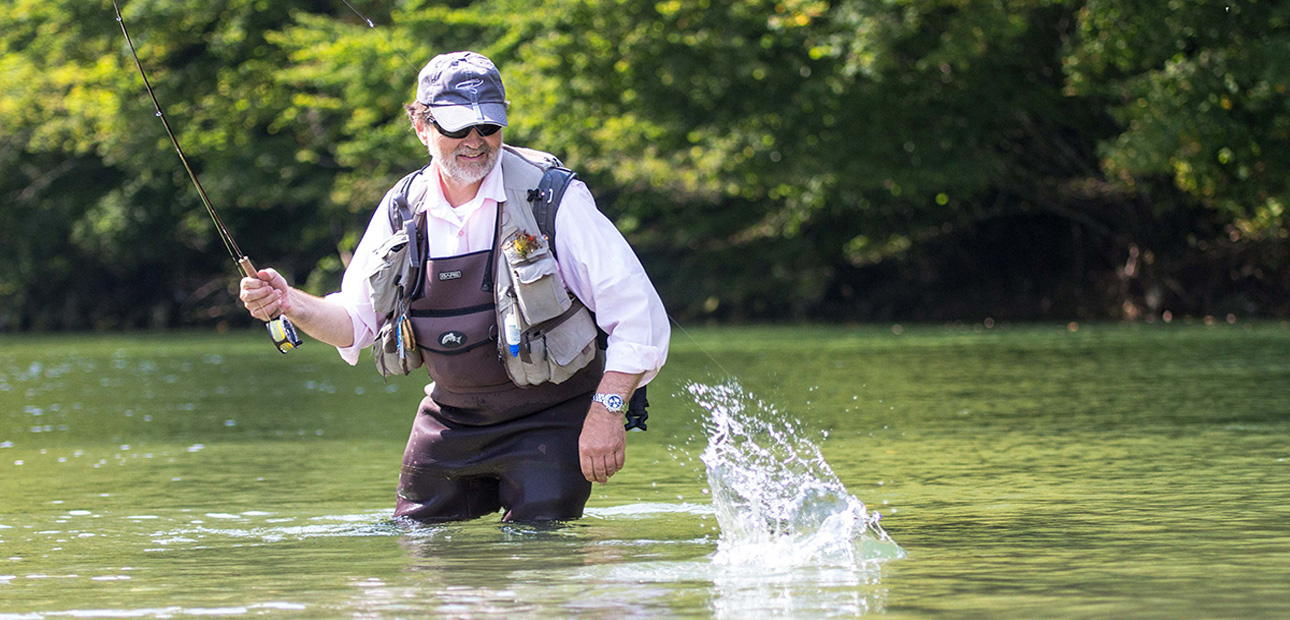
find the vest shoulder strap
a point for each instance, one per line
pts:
(400, 215)
(399, 208)
(545, 200)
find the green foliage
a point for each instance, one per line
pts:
(1202, 97)
(851, 159)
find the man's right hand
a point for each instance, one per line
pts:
(267, 296)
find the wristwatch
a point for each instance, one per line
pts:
(612, 402)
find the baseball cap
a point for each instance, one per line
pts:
(462, 89)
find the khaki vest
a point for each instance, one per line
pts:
(543, 333)
(557, 336)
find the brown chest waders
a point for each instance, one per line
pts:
(480, 443)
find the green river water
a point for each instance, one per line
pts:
(1115, 471)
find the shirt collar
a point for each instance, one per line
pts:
(437, 205)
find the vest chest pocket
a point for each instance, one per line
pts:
(555, 351)
(541, 294)
(571, 344)
(388, 273)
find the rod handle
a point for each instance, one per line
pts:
(280, 328)
(248, 270)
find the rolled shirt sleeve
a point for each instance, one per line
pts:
(599, 266)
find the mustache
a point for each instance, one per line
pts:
(471, 152)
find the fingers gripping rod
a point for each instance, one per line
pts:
(280, 328)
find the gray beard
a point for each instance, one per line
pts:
(467, 174)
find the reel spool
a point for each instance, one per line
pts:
(283, 334)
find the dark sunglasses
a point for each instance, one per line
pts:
(486, 129)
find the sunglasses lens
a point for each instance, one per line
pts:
(484, 130)
(455, 135)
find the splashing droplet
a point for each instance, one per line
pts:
(776, 498)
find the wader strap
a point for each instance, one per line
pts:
(492, 252)
(636, 413)
(434, 314)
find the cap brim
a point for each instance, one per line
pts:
(455, 117)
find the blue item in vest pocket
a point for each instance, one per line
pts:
(513, 333)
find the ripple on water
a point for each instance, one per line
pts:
(159, 612)
(377, 523)
(647, 510)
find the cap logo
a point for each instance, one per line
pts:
(470, 85)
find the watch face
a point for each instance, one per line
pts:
(612, 402)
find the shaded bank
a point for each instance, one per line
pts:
(852, 160)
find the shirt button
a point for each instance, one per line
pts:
(461, 233)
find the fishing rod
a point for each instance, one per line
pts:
(280, 328)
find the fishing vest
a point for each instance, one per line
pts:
(498, 322)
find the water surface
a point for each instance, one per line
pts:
(1114, 471)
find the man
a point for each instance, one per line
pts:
(480, 441)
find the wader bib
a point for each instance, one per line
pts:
(480, 442)
(548, 335)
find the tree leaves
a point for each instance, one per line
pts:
(769, 159)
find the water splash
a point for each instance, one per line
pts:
(777, 500)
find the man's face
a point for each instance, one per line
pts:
(464, 161)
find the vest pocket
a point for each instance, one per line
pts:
(541, 294)
(552, 353)
(388, 273)
(571, 345)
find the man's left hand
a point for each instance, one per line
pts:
(602, 447)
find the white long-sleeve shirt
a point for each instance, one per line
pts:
(594, 260)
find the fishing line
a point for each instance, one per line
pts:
(372, 25)
(280, 328)
(700, 347)
(243, 262)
